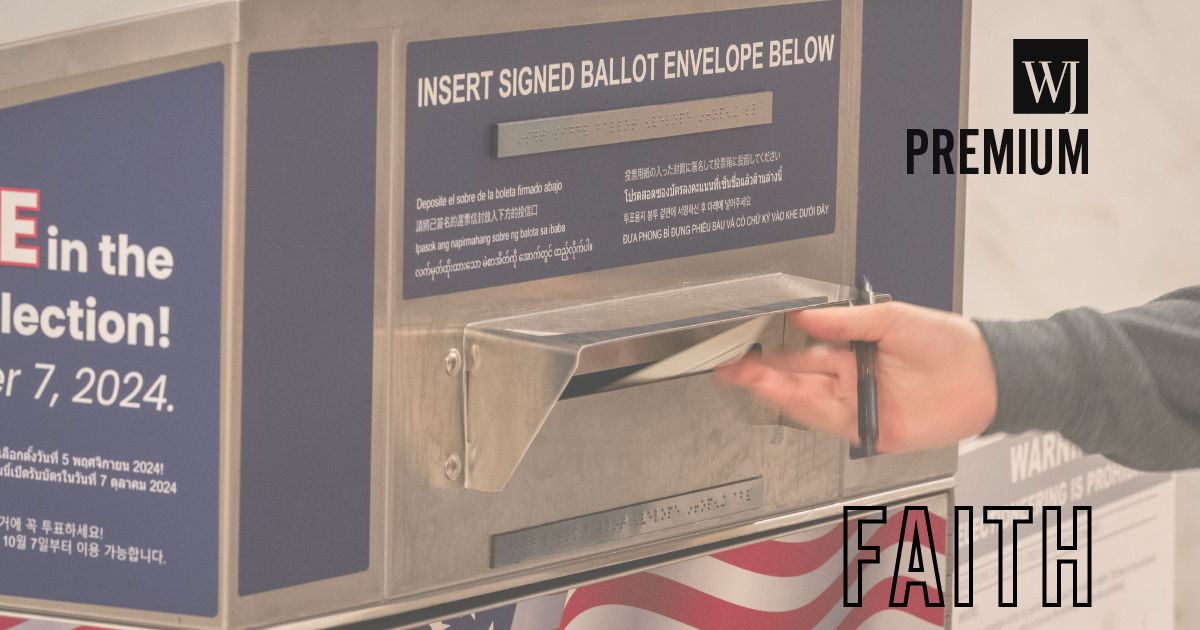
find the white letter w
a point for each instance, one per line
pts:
(1045, 83)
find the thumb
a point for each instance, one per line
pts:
(853, 323)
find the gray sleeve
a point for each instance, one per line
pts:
(1125, 384)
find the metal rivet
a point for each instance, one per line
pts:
(453, 361)
(453, 467)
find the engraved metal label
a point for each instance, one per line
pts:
(592, 129)
(624, 522)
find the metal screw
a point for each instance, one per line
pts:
(473, 357)
(453, 361)
(453, 467)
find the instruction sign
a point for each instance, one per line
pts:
(110, 277)
(546, 153)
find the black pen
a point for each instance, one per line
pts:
(868, 398)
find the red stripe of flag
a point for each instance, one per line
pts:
(701, 610)
(12, 622)
(8, 622)
(782, 559)
(693, 607)
(876, 601)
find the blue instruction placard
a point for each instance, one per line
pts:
(110, 279)
(648, 147)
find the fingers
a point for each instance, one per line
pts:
(811, 399)
(856, 323)
(817, 360)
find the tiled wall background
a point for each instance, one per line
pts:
(1127, 232)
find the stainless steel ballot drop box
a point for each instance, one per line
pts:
(318, 312)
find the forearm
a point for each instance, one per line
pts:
(1126, 384)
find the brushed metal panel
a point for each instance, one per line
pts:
(520, 366)
(629, 124)
(357, 589)
(626, 522)
(937, 495)
(608, 449)
(431, 541)
(894, 470)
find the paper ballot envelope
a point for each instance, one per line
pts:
(728, 346)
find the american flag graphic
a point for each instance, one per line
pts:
(794, 582)
(789, 583)
(23, 623)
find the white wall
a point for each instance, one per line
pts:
(1128, 231)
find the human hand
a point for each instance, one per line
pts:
(934, 375)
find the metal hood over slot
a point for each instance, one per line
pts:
(519, 367)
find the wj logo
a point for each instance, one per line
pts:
(1050, 76)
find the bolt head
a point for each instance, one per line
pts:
(452, 362)
(453, 467)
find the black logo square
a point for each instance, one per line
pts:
(1050, 76)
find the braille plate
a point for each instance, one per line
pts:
(627, 124)
(625, 522)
